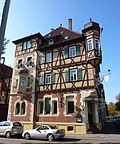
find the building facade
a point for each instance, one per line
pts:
(56, 80)
(5, 84)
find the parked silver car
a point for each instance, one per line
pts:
(9, 129)
(47, 132)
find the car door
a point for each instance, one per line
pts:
(41, 132)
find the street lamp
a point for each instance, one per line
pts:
(105, 77)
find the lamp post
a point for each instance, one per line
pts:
(101, 92)
(3, 24)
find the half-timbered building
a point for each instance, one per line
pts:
(5, 83)
(56, 80)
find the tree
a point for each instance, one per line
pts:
(5, 42)
(111, 109)
(118, 97)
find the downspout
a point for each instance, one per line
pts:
(35, 98)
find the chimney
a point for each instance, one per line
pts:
(70, 23)
(60, 25)
(2, 61)
(52, 29)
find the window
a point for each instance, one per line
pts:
(28, 82)
(51, 42)
(42, 128)
(54, 107)
(47, 105)
(48, 57)
(23, 108)
(70, 128)
(96, 44)
(19, 63)
(24, 46)
(6, 124)
(17, 108)
(72, 51)
(1, 123)
(73, 75)
(70, 105)
(90, 45)
(47, 78)
(41, 107)
(22, 82)
(66, 37)
(29, 61)
(29, 43)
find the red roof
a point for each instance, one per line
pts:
(60, 35)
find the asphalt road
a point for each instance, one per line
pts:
(74, 139)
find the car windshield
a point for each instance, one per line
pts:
(17, 124)
(53, 127)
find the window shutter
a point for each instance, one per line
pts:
(42, 79)
(79, 73)
(67, 75)
(78, 49)
(53, 78)
(43, 58)
(66, 52)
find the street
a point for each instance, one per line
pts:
(110, 134)
(74, 139)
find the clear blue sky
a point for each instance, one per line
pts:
(27, 17)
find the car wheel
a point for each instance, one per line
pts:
(27, 136)
(8, 134)
(50, 137)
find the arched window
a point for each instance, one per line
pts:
(23, 108)
(17, 108)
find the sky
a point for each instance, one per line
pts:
(28, 17)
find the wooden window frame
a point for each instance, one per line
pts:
(46, 55)
(46, 77)
(88, 42)
(71, 47)
(73, 76)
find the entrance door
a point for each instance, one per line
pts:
(90, 112)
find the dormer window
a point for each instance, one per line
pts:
(89, 43)
(66, 37)
(62, 32)
(51, 42)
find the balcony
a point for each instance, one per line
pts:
(94, 57)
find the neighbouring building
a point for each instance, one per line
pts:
(56, 80)
(5, 83)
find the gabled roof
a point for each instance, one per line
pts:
(5, 71)
(60, 35)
